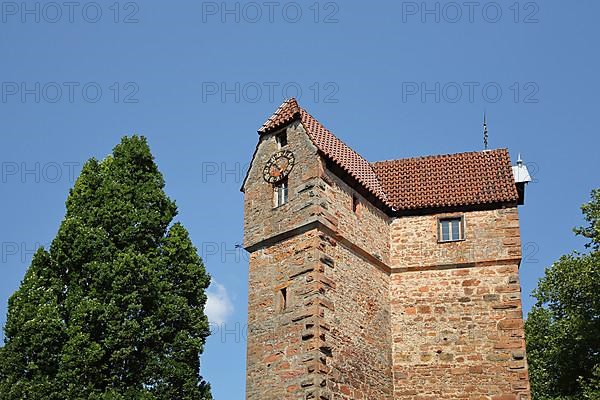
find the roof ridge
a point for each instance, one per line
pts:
(378, 190)
(441, 155)
(344, 143)
(285, 113)
(430, 181)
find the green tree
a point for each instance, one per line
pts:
(115, 308)
(563, 328)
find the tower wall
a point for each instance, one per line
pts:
(285, 275)
(284, 347)
(359, 319)
(262, 221)
(457, 326)
(332, 339)
(346, 302)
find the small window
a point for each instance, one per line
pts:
(283, 299)
(354, 203)
(451, 229)
(280, 192)
(281, 139)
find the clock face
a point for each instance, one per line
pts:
(279, 166)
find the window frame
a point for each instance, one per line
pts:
(281, 193)
(461, 228)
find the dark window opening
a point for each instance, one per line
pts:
(283, 298)
(354, 203)
(281, 139)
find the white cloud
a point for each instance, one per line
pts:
(218, 305)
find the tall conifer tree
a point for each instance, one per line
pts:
(115, 308)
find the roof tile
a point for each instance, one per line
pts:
(449, 180)
(441, 181)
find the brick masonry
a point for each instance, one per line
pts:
(348, 304)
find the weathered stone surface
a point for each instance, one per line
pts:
(348, 304)
(470, 341)
(414, 240)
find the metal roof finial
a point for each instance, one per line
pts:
(485, 132)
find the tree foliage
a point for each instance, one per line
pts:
(563, 328)
(115, 308)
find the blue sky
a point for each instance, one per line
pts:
(393, 79)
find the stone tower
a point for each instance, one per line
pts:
(387, 280)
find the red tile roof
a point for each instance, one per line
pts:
(450, 180)
(288, 111)
(332, 147)
(464, 179)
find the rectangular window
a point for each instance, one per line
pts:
(354, 203)
(280, 192)
(281, 139)
(451, 229)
